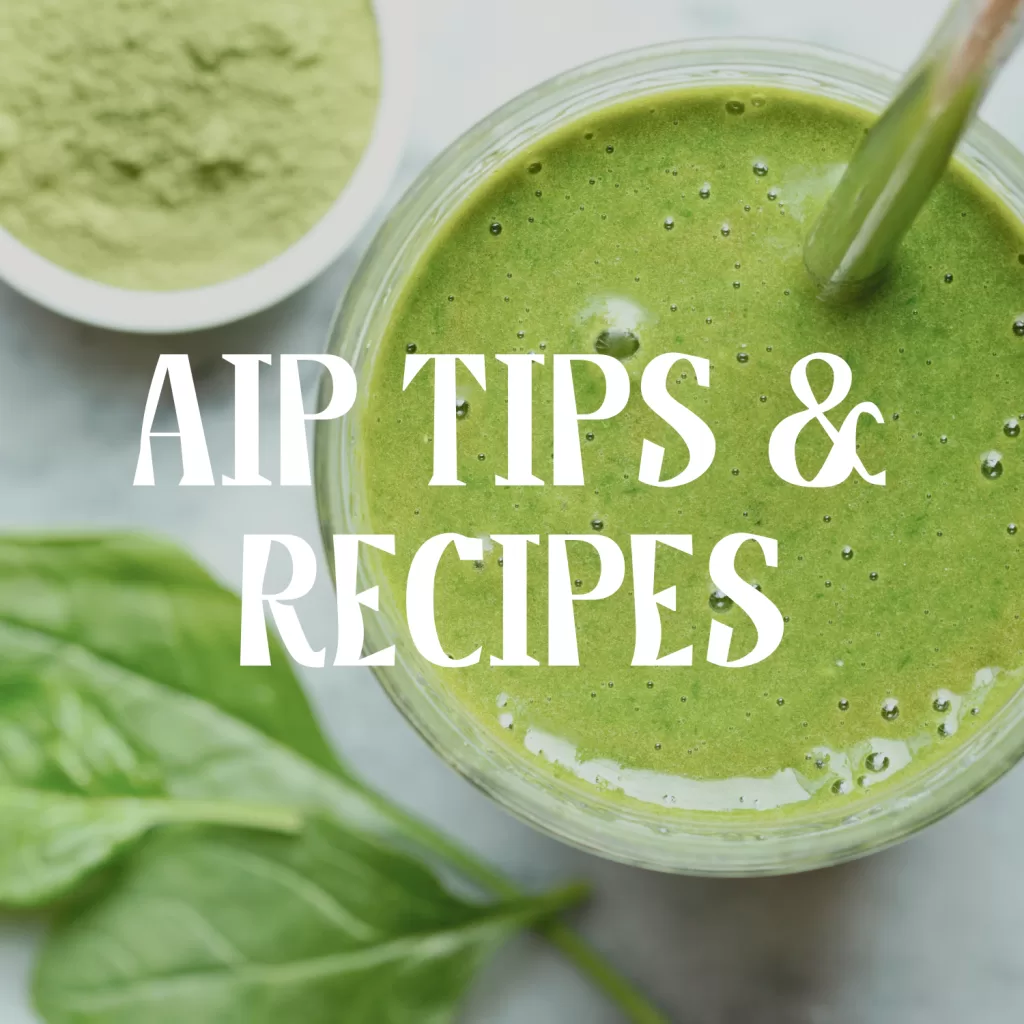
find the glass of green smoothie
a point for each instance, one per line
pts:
(654, 202)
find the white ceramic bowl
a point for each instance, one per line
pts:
(172, 312)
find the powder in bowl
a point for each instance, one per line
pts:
(170, 144)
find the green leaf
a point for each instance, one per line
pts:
(50, 841)
(144, 607)
(120, 692)
(228, 928)
(123, 707)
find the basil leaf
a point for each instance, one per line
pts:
(120, 688)
(232, 928)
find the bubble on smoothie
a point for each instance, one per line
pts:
(844, 704)
(669, 223)
(890, 709)
(502, 700)
(705, 193)
(847, 553)
(992, 465)
(720, 601)
(535, 168)
(876, 762)
(505, 720)
(1011, 529)
(735, 107)
(841, 787)
(615, 323)
(742, 357)
(495, 228)
(1018, 328)
(597, 524)
(873, 576)
(618, 342)
(411, 347)
(726, 230)
(461, 408)
(760, 168)
(1011, 428)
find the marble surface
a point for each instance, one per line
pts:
(927, 933)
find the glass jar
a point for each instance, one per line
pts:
(631, 833)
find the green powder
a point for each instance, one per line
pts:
(166, 144)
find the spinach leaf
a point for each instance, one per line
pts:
(221, 927)
(50, 841)
(122, 706)
(143, 607)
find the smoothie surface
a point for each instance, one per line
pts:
(676, 223)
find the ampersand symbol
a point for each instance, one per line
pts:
(843, 459)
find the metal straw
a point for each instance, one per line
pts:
(906, 152)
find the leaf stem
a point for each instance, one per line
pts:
(591, 963)
(587, 960)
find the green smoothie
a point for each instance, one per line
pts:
(676, 223)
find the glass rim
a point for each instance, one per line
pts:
(631, 833)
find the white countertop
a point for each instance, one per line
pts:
(931, 932)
